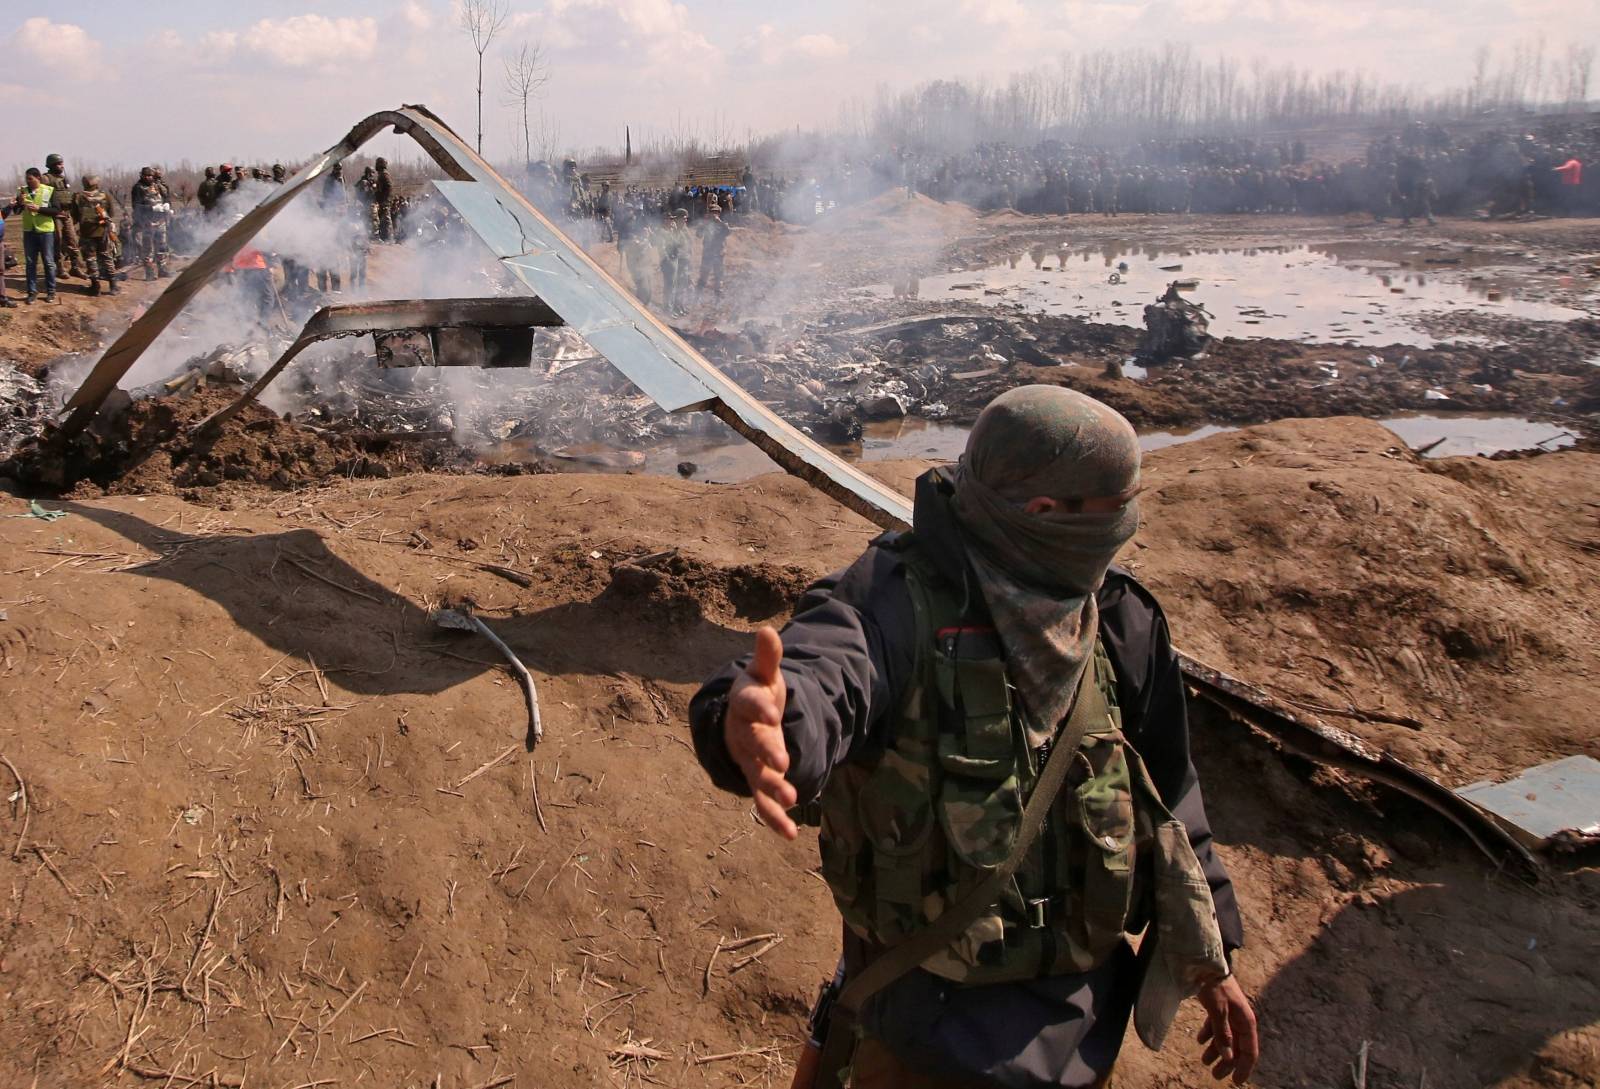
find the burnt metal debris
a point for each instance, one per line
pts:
(426, 332)
(557, 270)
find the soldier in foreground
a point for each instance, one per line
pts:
(989, 721)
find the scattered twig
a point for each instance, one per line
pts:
(705, 988)
(745, 1053)
(320, 577)
(22, 804)
(51, 866)
(538, 810)
(753, 957)
(495, 1083)
(181, 1081)
(355, 994)
(486, 767)
(1358, 1069)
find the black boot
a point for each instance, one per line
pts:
(94, 288)
(6, 303)
(111, 284)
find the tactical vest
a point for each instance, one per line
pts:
(908, 832)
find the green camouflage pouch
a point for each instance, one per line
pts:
(980, 796)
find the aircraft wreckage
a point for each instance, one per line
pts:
(569, 289)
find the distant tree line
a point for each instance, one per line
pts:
(1133, 93)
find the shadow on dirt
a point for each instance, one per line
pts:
(1413, 931)
(295, 595)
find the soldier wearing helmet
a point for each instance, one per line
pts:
(69, 258)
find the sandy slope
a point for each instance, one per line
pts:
(259, 840)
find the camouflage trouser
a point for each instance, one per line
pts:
(69, 259)
(97, 258)
(382, 217)
(874, 1066)
(150, 242)
(639, 262)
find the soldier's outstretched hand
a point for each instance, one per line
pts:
(753, 732)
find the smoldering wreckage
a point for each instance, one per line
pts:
(576, 320)
(444, 374)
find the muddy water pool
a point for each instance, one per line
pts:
(1463, 434)
(1331, 293)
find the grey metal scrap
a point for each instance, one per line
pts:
(356, 319)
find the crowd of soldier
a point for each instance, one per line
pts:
(84, 231)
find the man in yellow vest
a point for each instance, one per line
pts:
(40, 207)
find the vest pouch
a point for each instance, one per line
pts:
(895, 822)
(977, 740)
(980, 815)
(1104, 805)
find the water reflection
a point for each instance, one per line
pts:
(1463, 434)
(1356, 294)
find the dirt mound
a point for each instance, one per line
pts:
(149, 448)
(894, 213)
(1325, 562)
(278, 824)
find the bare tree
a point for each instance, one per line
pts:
(526, 75)
(482, 20)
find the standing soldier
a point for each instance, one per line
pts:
(674, 250)
(336, 207)
(150, 211)
(382, 194)
(69, 261)
(207, 193)
(633, 236)
(95, 214)
(714, 232)
(990, 721)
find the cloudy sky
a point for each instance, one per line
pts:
(258, 79)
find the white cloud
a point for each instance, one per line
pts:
(1002, 13)
(417, 16)
(313, 41)
(770, 48)
(217, 44)
(61, 49)
(819, 46)
(660, 32)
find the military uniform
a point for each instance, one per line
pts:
(714, 232)
(206, 194)
(382, 196)
(673, 248)
(900, 724)
(150, 212)
(95, 214)
(69, 258)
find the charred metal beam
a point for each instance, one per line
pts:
(1345, 751)
(358, 319)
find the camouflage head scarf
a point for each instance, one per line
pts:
(1039, 572)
